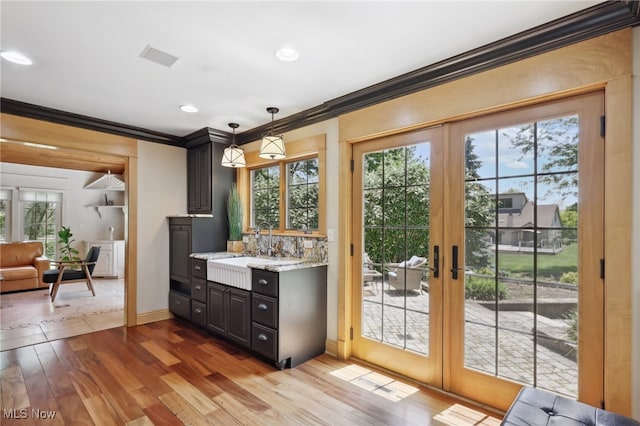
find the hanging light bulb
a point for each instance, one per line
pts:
(233, 155)
(272, 146)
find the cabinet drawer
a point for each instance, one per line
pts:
(264, 341)
(199, 289)
(264, 310)
(264, 282)
(180, 305)
(199, 313)
(199, 268)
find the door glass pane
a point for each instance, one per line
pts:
(521, 258)
(395, 294)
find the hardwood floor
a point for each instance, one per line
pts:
(29, 317)
(170, 372)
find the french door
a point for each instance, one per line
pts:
(481, 244)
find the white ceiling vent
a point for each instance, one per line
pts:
(107, 182)
(158, 56)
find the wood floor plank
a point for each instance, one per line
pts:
(14, 390)
(173, 373)
(190, 393)
(160, 353)
(184, 411)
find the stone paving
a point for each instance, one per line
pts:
(511, 358)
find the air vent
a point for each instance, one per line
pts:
(158, 56)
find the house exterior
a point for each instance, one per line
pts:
(516, 222)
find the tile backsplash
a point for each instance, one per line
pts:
(288, 246)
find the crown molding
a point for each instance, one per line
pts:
(23, 109)
(598, 20)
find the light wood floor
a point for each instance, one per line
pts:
(170, 372)
(29, 317)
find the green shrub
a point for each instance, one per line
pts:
(569, 278)
(478, 288)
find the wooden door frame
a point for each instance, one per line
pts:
(81, 149)
(532, 80)
(404, 362)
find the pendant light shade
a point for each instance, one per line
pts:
(272, 147)
(233, 155)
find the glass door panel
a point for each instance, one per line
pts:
(526, 264)
(394, 311)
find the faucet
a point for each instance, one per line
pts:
(270, 250)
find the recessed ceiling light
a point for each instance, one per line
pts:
(287, 54)
(188, 108)
(16, 57)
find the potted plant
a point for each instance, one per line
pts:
(234, 218)
(64, 239)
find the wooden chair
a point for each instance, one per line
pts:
(71, 271)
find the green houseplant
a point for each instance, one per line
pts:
(234, 219)
(64, 240)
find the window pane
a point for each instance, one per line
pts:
(265, 196)
(302, 194)
(40, 222)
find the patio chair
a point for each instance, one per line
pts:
(370, 276)
(407, 275)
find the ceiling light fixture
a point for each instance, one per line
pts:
(233, 155)
(16, 57)
(287, 54)
(272, 146)
(188, 108)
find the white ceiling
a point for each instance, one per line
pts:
(86, 53)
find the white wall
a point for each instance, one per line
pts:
(85, 222)
(162, 192)
(635, 288)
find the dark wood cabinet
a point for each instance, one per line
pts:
(188, 276)
(289, 314)
(229, 312)
(207, 181)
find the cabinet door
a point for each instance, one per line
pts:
(199, 179)
(239, 311)
(104, 265)
(216, 314)
(180, 248)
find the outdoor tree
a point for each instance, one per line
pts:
(396, 205)
(479, 211)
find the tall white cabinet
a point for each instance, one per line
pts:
(111, 258)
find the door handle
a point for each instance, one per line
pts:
(454, 262)
(436, 261)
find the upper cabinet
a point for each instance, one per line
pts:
(208, 182)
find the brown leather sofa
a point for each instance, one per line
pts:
(22, 265)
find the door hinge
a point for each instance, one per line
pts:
(353, 166)
(603, 126)
(351, 336)
(351, 249)
(602, 269)
(602, 405)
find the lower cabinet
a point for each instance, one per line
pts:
(289, 314)
(229, 312)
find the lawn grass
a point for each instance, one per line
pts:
(550, 266)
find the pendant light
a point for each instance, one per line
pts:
(272, 146)
(233, 155)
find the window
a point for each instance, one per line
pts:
(289, 195)
(40, 214)
(301, 183)
(5, 215)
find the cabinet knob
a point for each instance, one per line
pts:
(262, 337)
(198, 287)
(178, 302)
(262, 281)
(262, 306)
(198, 311)
(197, 268)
